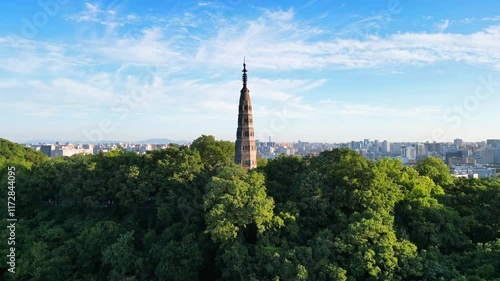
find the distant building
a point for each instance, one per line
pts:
(487, 155)
(395, 148)
(356, 145)
(452, 158)
(420, 149)
(69, 150)
(385, 147)
(493, 142)
(458, 143)
(409, 152)
(465, 153)
(434, 147)
(366, 142)
(448, 148)
(47, 149)
(472, 171)
(89, 147)
(375, 147)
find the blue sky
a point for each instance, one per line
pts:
(330, 71)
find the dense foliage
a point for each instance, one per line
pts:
(190, 214)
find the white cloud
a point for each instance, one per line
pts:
(90, 13)
(30, 109)
(270, 44)
(281, 16)
(25, 56)
(467, 20)
(442, 25)
(109, 16)
(10, 83)
(148, 49)
(494, 18)
(366, 26)
(275, 40)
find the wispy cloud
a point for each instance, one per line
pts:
(281, 16)
(268, 41)
(365, 27)
(91, 13)
(494, 18)
(343, 108)
(22, 55)
(275, 40)
(108, 16)
(467, 20)
(442, 25)
(149, 48)
(277, 48)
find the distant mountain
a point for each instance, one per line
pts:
(151, 141)
(162, 141)
(40, 141)
(48, 141)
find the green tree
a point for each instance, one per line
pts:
(435, 169)
(214, 153)
(179, 214)
(281, 174)
(236, 204)
(13, 154)
(180, 260)
(176, 177)
(122, 257)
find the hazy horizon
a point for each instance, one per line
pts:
(52, 141)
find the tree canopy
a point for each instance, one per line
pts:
(189, 213)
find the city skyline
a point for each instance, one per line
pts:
(464, 159)
(186, 142)
(319, 71)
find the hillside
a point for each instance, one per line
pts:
(18, 155)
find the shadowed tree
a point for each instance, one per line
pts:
(214, 153)
(236, 204)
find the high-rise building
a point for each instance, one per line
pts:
(395, 147)
(408, 152)
(497, 154)
(366, 142)
(434, 147)
(375, 147)
(47, 149)
(386, 147)
(246, 153)
(487, 155)
(356, 144)
(458, 143)
(420, 147)
(493, 142)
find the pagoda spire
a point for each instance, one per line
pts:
(244, 73)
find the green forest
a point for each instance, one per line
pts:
(189, 213)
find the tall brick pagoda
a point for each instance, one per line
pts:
(246, 153)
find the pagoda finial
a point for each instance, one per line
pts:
(244, 72)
